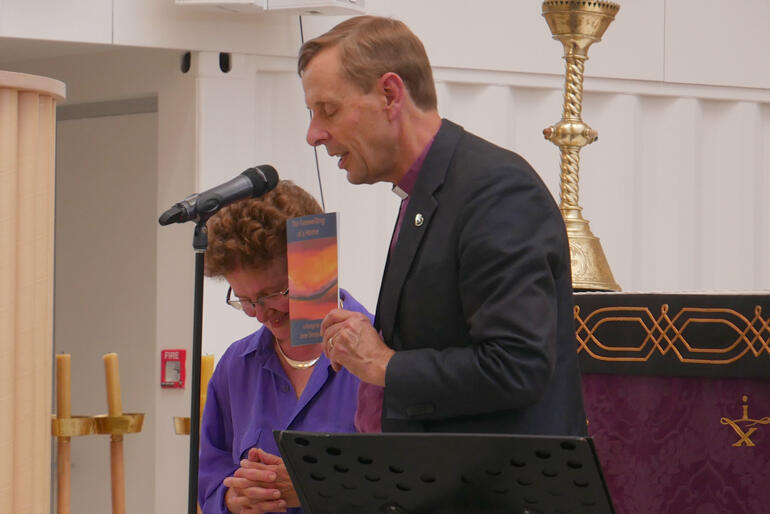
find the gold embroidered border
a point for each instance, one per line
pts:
(665, 334)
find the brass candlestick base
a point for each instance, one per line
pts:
(127, 423)
(590, 270)
(73, 426)
(578, 24)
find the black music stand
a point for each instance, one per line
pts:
(444, 473)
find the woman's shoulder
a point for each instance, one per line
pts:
(351, 304)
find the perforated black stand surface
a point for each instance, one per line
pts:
(444, 473)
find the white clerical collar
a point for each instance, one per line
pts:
(400, 192)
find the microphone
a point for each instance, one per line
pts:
(251, 183)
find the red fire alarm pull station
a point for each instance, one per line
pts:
(172, 368)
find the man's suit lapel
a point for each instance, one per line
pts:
(417, 220)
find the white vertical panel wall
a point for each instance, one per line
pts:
(763, 205)
(675, 187)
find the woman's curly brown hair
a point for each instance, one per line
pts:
(251, 233)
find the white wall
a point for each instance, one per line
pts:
(146, 23)
(676, 186)
(105, 291)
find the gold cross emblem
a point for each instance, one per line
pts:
(745, 426)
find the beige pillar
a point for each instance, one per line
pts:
(27, 137)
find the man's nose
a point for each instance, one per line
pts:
(316, 134)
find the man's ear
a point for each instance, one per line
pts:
(393, 90)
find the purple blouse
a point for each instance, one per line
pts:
(249, 395)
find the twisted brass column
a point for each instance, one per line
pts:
(578, 24)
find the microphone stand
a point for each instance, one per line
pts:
(200, 243)
(251, 183)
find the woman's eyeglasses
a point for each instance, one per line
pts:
(268, 301)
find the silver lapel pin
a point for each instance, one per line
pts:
(418, 219)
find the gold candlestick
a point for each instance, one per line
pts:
(578, 24)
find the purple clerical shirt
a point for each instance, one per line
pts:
(250, 395)
(404, 188)
(370, 396)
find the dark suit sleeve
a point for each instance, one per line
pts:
(509, 241)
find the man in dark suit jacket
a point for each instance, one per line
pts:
(475, 313)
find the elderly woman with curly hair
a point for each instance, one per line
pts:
(262, 383)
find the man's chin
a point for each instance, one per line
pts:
(358, 179)
(354, 179)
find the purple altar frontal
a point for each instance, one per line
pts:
(682, 444)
